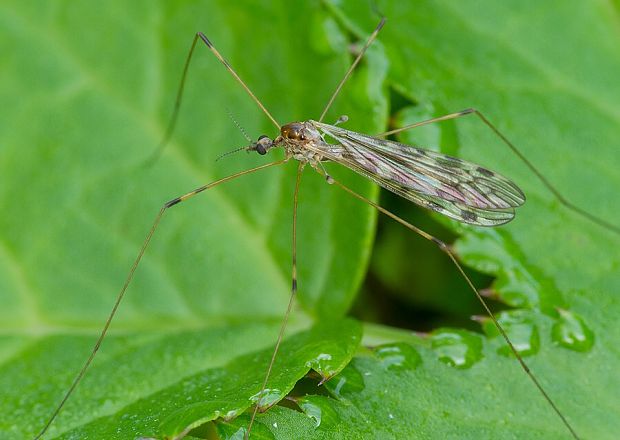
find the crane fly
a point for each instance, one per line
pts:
(461, 190)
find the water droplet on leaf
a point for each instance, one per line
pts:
(323, 365)
(320, 410)
(348, 381)
(570, 331)
(521, 330)
(459, 349)
(267, 398)
(312, 411)
(231, 414)
(398, 356)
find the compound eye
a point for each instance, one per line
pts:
(263, 144)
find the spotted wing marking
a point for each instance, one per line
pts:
(451, 186)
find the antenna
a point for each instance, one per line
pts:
(228, 153)
(243, 132)
(241, 129)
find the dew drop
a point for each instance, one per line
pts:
(570, 331)
(522, 332)
(267, 398)
(398, 356)
(313, 411)
(231, 414)
(459, 349)
(323, 365)
(348, 381)
(238, 435)
(320, 410)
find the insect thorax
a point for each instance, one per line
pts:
(301, 141)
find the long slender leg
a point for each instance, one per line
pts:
(233, 73)
(446, 249)
(175, 112)
(177, 104)
(350, 71)
(130, 276)
(567, 203)
(300, 168)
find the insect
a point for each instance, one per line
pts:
(466, 192)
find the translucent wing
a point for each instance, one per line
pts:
(456, 188)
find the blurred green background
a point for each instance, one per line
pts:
(87, 90)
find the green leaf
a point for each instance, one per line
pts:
(223, 392)
(407, 400)
(546, 75)
(86, 94)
